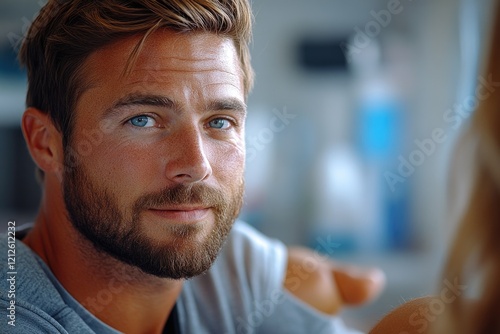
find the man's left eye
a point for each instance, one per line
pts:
(219, 123)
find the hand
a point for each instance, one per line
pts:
(328, 286)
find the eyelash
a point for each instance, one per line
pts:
(128, 121)
(233, 123)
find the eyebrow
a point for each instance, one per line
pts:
(227, 104)
(165, 102)
(140, 100)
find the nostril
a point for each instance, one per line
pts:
(183, 176)
(182, 171)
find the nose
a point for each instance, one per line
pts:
(187, 157)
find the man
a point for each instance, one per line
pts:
(135, 117)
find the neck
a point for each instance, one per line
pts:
(120, 295)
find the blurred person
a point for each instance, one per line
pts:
(469, 299)
(135, 118)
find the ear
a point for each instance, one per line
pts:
(44, 141)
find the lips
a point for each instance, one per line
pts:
(182, 214)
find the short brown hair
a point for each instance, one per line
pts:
(66, 32)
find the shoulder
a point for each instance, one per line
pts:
(408, 318)
(251, 239)
(28, 300)
(23, 317)
(255, 258)
(249, 262)
(247, 283)
(32, 301)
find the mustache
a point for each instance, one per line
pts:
(197, 194)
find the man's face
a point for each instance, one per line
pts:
(154, 166)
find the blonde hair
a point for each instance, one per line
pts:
(475, 251)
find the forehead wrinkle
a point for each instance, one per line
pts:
(176, 60)
(162, 75)
(177, 70)
(189, 59)
(221, 84)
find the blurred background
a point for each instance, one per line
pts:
(352, 122)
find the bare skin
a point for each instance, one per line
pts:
(398, 321)
(180, 143)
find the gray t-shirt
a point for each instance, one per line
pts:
(241, 293)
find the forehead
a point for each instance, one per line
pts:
(165, 56)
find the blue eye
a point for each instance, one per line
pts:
(219, 123)
(142, 121)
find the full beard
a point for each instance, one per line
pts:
(95, 214)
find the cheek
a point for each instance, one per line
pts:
(122, 168)
(228, 162)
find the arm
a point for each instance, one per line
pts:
(326, 285)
